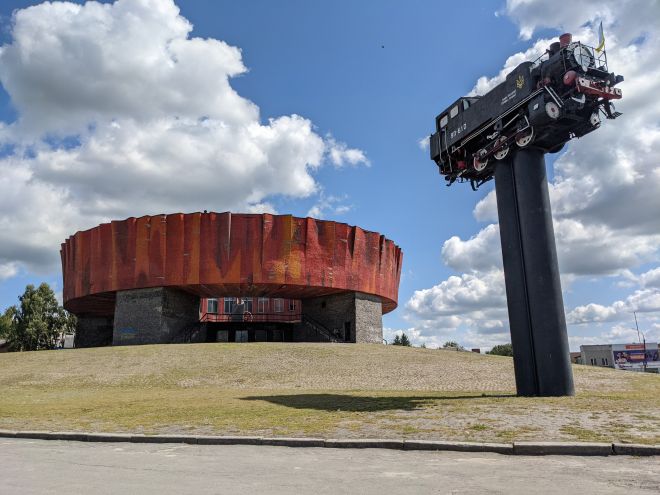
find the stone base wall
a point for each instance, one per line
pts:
(156, 315)
(93, 331)
(368, 319)
(353, 316)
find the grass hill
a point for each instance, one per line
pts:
(328, 390)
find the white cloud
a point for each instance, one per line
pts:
(486, 208)
(122, 113)
(628, 16)
(328, 205)
(481, 252)
(650, 278)
(473, 301)
(591, 313)
(341, 155)
(645, 301)
(8, 270)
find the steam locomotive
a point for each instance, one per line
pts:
(544, 103)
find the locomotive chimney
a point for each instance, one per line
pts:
(565, 39)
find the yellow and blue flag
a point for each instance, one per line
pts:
(601, 38)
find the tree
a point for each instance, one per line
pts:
(450, 344)
(7, 322)
(37, 322)
(402, 340)
(501, 350)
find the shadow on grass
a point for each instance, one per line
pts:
(360, 403)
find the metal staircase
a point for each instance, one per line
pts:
(322, 330)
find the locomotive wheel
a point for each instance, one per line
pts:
(503, 151)
(552, 110)
(479, 163)
(523, 140)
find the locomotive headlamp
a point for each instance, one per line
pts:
(583, 56)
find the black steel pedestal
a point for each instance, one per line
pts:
(533, 289)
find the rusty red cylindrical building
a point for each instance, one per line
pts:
(116, 269)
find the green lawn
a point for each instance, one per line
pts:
(324, 390)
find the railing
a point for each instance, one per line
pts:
(247, 317)
(332, 336)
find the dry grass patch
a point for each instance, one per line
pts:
(315, 390)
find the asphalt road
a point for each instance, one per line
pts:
(43, 467)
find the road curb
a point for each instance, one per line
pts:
(363, 443)
(635, 449)
(293, 442)
(516, 448)
(110, 437)
(562, 448)
(236, 440)
(499, 448)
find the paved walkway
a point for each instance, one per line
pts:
(43, 467)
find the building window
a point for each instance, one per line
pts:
(211, 305)
(279, 305)
(606, 362)
(229, 305)
(248, 304)
(292, 304)
(262, 304)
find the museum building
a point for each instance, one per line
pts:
(223, 277)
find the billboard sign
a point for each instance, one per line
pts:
(635, 356)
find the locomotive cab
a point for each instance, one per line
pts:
(450, 124)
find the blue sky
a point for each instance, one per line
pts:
(370, 76)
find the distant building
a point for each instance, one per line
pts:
(632, 357)
(576, 357)
(4, 346)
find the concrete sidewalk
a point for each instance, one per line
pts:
(38, 466)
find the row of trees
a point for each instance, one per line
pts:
(498, 350)
(37, 322)
(404, 340)
(501, 350)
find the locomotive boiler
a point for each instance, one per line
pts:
(542, 104)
